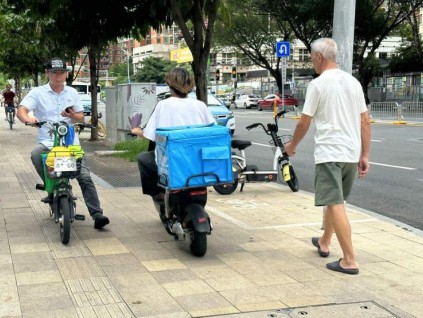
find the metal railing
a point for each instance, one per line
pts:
(390, 111)
(407, 111)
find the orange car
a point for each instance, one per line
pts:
(267, 102)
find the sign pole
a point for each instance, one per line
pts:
(283, 50)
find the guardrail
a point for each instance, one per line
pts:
(391, 111)
(407, 111)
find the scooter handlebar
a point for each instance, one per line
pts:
(252, 126)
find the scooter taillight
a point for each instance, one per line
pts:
(197, 192)
(202, 220)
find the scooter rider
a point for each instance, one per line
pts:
(177, 110)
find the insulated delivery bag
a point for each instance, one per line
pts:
(193, 156)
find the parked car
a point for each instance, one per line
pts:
(223, 116)
(267, 102)
(246, 101)
(86, 103)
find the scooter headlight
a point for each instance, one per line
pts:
(62, 130)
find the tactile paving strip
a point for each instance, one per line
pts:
(96, 297)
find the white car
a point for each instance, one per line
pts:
(246, 101)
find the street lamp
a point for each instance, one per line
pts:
(127, 62)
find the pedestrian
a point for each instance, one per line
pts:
(335, 104)
(177, 110)
(55, 101)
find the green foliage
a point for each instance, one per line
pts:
(153, 69)
(406, 60)
(132, 147)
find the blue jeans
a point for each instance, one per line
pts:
(88, 189)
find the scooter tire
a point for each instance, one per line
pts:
(198, 243)
(293, 184)
(65, 225)
(227, 188)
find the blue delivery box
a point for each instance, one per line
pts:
(193, 156)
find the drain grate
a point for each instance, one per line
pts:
(358, 309)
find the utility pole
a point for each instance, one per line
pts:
(343, 32)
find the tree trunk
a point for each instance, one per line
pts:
(92, 56)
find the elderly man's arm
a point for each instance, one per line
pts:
(300, 131)
(363, 164)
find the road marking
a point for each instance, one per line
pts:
(373, 163)
(391, 166)
(376, 140)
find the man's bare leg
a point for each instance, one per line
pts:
(337, 221)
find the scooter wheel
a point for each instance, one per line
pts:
(293, 184)
(226, 188)
(65, 225)
(198, 243)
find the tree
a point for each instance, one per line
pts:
(254, 32)
(202, 15)
(378, 20)
(21, 47)
(153, 69)
(80, 24)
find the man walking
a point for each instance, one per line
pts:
(336, 105)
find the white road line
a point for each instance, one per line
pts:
(373, 163)
(376, 140)
(392, 166)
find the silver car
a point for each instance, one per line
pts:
(246, 101)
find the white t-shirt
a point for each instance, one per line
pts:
(48, 106)
(175, 111)
(335, 100)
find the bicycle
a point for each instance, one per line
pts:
(61, 164)
(101, 129)
(282, 167)
(10, 114)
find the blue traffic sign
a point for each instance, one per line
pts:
(283, 49)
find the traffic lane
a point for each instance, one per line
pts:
(387, 190)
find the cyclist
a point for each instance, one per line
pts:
(9, 97)
(177, 110)
(55, 101)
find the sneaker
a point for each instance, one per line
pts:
(47, 199)
(100, 221)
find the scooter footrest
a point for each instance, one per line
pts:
(80, 217)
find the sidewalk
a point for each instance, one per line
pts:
(260, 261)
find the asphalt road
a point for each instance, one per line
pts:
(394, 186)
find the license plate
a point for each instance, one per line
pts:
(64, 164)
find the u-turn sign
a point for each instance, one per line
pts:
(283, 49)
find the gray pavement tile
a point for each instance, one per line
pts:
(206, 304)
(174, 276)
(41, 277)
(39, 303)
(57, 289)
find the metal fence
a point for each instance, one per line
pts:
(393, 111)
(406, 111)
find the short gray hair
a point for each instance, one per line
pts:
(325, 46)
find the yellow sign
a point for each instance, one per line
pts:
(181, 55)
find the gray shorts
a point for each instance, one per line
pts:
(333, 182)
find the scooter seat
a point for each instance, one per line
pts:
(240, 144)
